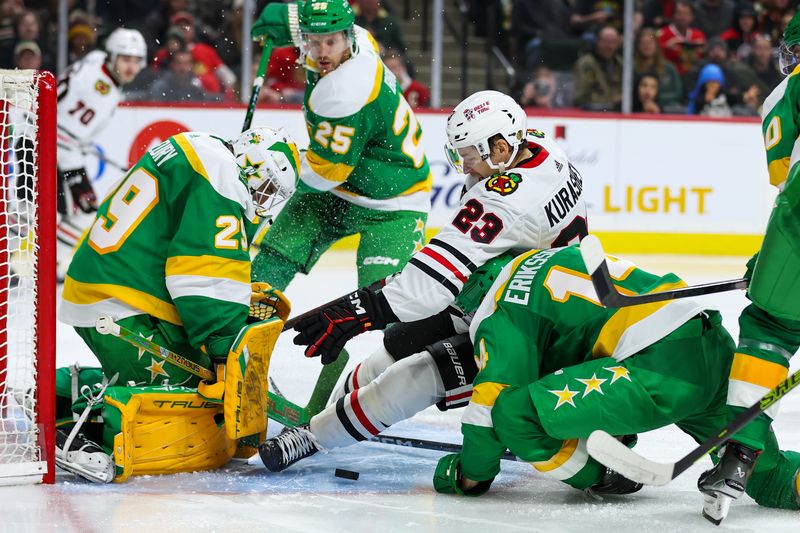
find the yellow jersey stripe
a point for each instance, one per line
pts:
(562, 456)
(514, 266)
(376, 84)
(80, 293)
(757, 371)
(486, 393)
(420, 186)
(334, 172)
(191, 155)
(624, 318)
(209, 266)
(778, 171)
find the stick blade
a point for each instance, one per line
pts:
(612, 453)
(592, 253)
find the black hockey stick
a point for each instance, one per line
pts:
(595, 260)
(258, 82)
(428, 445)
(615, 455)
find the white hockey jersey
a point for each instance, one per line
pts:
(87, 98)
(538, 204)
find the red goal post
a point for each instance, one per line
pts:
(27, 276)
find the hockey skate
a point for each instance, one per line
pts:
(612, 483)
(291, 445)
(77, 454)
(726, 481)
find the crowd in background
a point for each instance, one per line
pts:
(704, 57)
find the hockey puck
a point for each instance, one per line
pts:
(346, 474)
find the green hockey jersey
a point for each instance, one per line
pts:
(780, 113)
(548, 317)
(364, 137)
(170, 240)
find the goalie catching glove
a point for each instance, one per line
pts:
(327, 331)
(267, 302)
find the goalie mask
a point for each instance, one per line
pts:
(270, 161)
(478, 118)
(789, 52)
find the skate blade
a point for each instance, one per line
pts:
(715, 508)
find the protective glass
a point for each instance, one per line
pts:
(788, 57)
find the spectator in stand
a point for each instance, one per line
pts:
(648, 59)
(28, 28)
(382, 24)
(740, 36)
(215, 76)
(760, 70)
(708, 97)
(154, 24)
(598, 74)
(543, 91)
(27, 55)
(9, 9)
(534, 23)
(645, 98)
(81, 38)
(717, 53)
(657, 13)
(415, 92)
(713, 17)
(178, 82)
(285, 78)
(681, 42)
(590, 16)
(772, 21)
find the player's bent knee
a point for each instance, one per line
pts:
(164, 430)
(456, 365)
(403, 339)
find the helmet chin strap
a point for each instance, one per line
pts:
(501, 167)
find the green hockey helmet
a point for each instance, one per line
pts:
(790, 47)
(326, 17)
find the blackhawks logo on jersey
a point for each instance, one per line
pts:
(504, 184)
(102, 87)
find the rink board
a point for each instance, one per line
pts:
(671, 185)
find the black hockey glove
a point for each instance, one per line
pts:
(328, 330)
(81, 189)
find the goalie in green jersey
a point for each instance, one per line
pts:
(555, 365)
(769, 327)
(167, 258)
(364, 171)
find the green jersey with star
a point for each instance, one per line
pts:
(541, 315)
(364, 137)
(171, 241)
(780, 114)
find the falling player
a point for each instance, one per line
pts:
(88, 94)
(167, 257)
(365, 171)
(521, 192)
(769, 328)
(556, 365)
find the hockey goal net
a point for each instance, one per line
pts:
(27, 276)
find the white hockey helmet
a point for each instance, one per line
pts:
(126, 42)
(478, 118)
(271, 162)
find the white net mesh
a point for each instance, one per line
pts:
(18, 253)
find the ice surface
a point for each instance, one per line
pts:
(394, 489)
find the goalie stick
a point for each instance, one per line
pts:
(279, 409)
(595, 260)
(615, 455)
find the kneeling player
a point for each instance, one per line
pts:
(167, 258)
(521, 192)
(555, 365)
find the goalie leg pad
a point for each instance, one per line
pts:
(163, 430)
(457, 368)
(245, 400)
